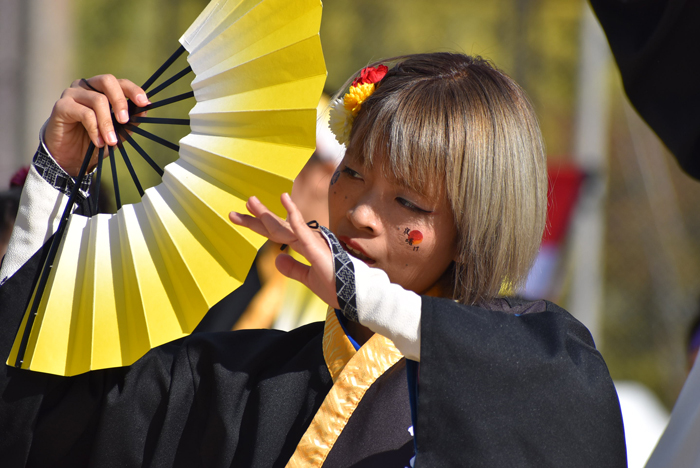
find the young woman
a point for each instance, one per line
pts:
(439, 203)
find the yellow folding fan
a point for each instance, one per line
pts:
(122, 284)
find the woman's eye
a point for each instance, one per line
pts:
(351, 173)
(411, 206)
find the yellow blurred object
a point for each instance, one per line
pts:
(125, 283)
(281, 303)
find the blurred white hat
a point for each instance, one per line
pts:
(327, 147)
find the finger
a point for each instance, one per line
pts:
(77, 83)
(293, 213)
(297, 271)
(134, 92)
(292, 268)
(306, 237)
(68, 111)
(267, 225)
(98, 104)
(256, 207)
(249, 222)
(111, 88)
(279, 229)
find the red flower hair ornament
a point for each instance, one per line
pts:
(371, 75)
(344, 110)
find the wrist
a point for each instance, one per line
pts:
(344, 276)
(52, 172)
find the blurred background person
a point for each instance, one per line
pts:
(9, 203)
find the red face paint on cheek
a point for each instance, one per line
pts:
(413, 237)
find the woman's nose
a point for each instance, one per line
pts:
(363, 216)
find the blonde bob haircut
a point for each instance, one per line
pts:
(452, 125)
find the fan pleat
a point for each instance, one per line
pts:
(165, 318)
(285, 22)
(228, 154)
(280, 97)
(293, 127)
(289, 64)
(80, 336)
(133, 327)
(215, 18)
(106, 292)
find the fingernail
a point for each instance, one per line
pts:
(112, 138)
(123, 116)
(141, 100)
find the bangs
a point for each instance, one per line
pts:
(404, 134)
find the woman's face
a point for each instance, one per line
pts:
(410, 236)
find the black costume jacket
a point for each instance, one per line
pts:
(519, 385)
(655, 44)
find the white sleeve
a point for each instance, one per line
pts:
(388, 309)
(40, 210)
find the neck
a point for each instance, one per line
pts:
(359, 333)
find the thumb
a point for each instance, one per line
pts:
(324, 289)
(292, 268)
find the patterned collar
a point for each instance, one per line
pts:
(337, 347)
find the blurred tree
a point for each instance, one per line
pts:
(535, 41)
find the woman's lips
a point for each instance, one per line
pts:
(355, 250)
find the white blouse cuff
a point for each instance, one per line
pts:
(388, 309)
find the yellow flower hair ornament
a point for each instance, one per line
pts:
(344, 110)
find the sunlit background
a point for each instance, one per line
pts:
(628, 265)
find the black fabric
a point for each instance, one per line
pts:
(655, 44)
(17, 407)
(376, 435)
(495, 390)
(520, 387)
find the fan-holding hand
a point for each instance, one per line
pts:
(320, 276)
(83, 115)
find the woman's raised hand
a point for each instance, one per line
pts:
(83, 115)
(320, 276)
